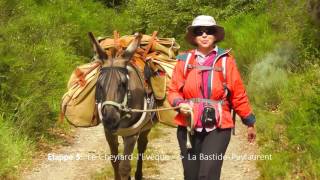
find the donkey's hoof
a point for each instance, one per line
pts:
(138, 176)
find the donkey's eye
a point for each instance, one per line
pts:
(122, 82)
(122, 86)
(123, 79)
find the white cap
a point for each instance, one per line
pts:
(204, 20)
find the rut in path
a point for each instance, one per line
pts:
(90, 148)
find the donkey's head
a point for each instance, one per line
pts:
(112, 85)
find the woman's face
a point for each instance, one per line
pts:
(204, 37)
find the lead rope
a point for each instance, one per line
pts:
(190, 129)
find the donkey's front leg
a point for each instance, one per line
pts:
(125, 166)
(113, 144)
(142, 146)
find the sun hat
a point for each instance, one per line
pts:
(204, 21)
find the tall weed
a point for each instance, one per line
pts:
(15, 149)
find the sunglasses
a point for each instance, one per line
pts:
(200, 30)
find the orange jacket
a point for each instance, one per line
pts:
(187, 86)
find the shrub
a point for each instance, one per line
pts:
(266, 80)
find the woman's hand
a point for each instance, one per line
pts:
(251, 134)
(185, 108)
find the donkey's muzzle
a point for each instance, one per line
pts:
(111, 118)
(111, 125)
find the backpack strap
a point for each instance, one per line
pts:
(187, 58)
(189, 55)
(224, 73)
(224, 70)
(226, 92)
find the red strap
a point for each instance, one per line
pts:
(82, 75)
(116, 39)
(153, 37)
(117, 44)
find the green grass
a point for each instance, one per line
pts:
(15, 150)
(291, 134)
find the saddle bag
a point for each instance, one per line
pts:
(78, 104)
(166, 117)
(158, 84)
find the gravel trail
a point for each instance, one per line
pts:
(86, 154)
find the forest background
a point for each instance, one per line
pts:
(275, 42)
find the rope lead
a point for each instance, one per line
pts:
(190, 126)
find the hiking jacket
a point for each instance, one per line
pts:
(186, 84)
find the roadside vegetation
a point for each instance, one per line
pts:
(276, 45)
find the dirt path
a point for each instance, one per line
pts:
(81, 158)
(90, 146)
(236, 166)
(169, 166)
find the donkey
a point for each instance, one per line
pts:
(120, 85)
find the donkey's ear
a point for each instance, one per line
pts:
(135, 43)
(99, 52)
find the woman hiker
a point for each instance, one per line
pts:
(206, 85)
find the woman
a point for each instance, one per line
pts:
(206, 85)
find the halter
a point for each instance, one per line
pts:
(123, 106)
